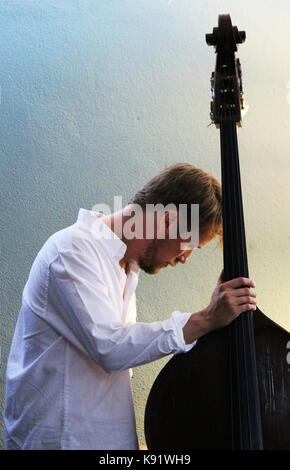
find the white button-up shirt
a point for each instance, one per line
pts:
(68, 378)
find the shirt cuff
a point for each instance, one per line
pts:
(178, 320)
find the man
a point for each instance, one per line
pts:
(76, 339)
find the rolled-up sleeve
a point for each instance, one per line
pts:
(83, 313)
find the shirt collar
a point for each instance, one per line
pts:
(114, 246)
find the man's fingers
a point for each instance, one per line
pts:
(245, 308)
(245, 300)
(244, 291)
(239, 282)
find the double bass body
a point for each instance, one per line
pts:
(190, 403)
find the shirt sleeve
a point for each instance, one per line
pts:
(83, 313)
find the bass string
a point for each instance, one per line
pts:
(239, 325)
(241, 328)
(247, 344)
(229, 259)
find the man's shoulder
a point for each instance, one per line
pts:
(75, 239)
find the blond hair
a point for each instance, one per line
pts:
(182, 183)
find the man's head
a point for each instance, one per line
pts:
(178, 184)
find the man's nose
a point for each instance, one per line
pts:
(183, 258)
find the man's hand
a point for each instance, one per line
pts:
(228, 301)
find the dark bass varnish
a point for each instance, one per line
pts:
(232, 390)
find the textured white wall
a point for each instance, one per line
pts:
(97, 96)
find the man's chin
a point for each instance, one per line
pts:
(151, 269)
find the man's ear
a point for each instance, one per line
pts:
(164, 221)
(170, 217)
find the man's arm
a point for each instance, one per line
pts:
(80, 309)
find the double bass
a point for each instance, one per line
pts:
(232, 390)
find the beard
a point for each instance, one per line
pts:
(148, 261)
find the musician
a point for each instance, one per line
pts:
(69, 370)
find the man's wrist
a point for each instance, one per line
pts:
(197, 326)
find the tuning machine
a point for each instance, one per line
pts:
(211, 114)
